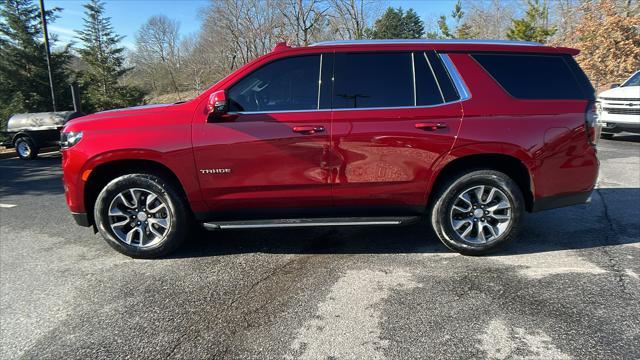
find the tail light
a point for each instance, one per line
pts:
(591, 123)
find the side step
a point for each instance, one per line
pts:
(283, 223)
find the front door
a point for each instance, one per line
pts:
(269, 152)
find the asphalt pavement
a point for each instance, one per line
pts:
(568, 288)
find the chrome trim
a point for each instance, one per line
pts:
(319, 82)
(434, 76)
(307, 224)
(344, 109)
(427, 42)
(458, 81)
(413, 73)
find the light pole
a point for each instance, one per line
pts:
(46, 46)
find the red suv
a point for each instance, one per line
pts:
(469, 134)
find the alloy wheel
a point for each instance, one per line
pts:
(481, 214)
(139, 217)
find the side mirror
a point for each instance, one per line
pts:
(613, 86)
(218, 104)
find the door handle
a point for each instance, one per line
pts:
(430, 126)
(308, 129)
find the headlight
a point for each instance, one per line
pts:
(68, 139)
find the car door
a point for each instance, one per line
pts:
(269, 151)
(391, 122)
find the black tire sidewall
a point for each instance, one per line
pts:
(32, 146)
(175, 205)
(440, 216)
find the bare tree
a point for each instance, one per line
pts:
(157, 53)
(350, 18)
(303, 19)
(490, 19)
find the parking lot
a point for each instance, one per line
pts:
(568, 288)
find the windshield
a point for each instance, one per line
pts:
(633, 80)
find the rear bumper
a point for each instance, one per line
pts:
(617, 127)
(557, 201)
(81, 219)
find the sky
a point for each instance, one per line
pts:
(128, 15)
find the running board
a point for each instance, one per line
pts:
(283, 223)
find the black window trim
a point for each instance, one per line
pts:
(454, 76)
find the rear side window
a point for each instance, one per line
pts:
(532, 76)
(444, 80)
(370, 80)
(427, 90)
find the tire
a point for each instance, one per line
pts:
(607, 136)
(26, 148)
(465, 187)
(148, 238)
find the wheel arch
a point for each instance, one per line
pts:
(21, 134)
(508, 164)
(103, 173)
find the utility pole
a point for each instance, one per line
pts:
(46, 46)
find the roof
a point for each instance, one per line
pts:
(426, 42)
(453, 45)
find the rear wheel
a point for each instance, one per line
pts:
(141, 216)
(477, 212)
(26, 148)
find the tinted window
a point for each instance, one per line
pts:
(427, 91)
(446, 84)
(363, 80)
(286, 84)
(633, 81)
(532, 76)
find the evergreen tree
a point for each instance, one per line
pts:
(413, 27)
(390, 25)
(534, 26)
(462, 30)
(444, 28)
(104, 59)
(396, 24)
(24, 79)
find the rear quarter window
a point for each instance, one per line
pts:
(535, 77)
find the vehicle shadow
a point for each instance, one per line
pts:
(571, 228)
(39, 176)
(626, 137)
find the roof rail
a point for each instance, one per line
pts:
(427, 41)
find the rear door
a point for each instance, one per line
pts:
(269, 152)
(395, 114)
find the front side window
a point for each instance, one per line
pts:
(370, 80)
(283, 85)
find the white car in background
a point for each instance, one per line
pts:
(619, 107)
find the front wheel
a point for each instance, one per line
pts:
(141, 216)
(477, 212)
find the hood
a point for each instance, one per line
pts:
(130, 111)
(624, 92)
(126, 115)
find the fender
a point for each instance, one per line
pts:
(488, 148)
(177, 162)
